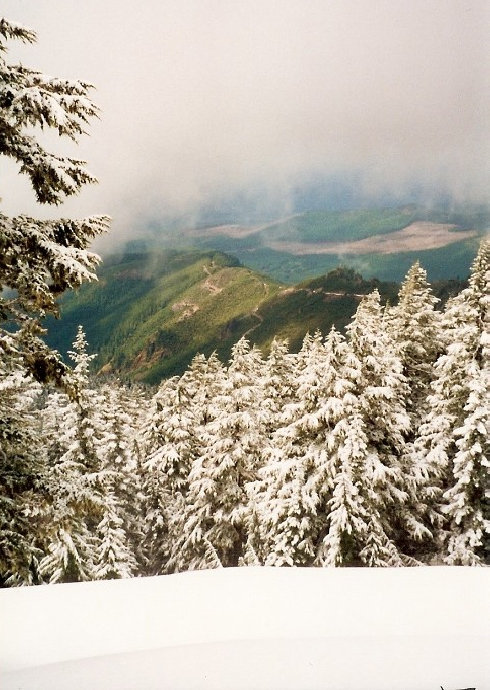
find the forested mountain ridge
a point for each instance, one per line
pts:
(152, 311)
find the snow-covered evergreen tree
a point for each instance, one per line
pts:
(114, 557)
(169, 452)
(452, 448)
(366, 444)
(348, 513)
(286, 500)
(122, 414)
(213, 527)
(40, 259)
(22, 468)
(173, 440)
(309, 366)
(415, 326)
(279, 389)
(278, 383)
(76, 479)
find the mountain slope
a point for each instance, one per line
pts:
(150, 313)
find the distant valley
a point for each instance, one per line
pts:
(379, 242)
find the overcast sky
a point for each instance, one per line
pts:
(202, 96)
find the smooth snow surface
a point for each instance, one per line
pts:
(252, 628)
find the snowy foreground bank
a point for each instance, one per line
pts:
(252, 628)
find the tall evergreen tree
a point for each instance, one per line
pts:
(452, 447)
(215, 515)
(114, 558)
(121, 414)
(22, 468)
(40, 259)
(76, 480)
(278, 383)
(415, 326)
(174, 439)
(366, 445)
(169, 452)
(291, 491)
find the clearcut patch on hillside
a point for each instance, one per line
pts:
(418, 236)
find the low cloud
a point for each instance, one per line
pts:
(204, 98)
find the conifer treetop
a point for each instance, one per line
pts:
(31, 99)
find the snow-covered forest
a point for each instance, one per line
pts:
(364, 449)
(368, 449)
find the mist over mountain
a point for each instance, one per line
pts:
(265, 202)
(248, 112)
(338, 227)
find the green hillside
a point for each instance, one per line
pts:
(345, 226)
(324, 226)
(320, 303)
(150, 313)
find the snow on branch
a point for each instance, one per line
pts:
(9, 29)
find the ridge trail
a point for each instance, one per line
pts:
(208, 284)
(255, 312)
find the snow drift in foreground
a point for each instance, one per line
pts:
(252, 628)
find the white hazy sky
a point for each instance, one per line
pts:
(202, 96)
